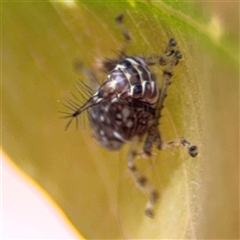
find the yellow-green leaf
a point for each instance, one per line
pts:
(199, 197)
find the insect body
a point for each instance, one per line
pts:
(128, 106)
(124, 106)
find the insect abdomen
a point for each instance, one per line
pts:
(118, 122)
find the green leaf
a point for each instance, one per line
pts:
(41, 41)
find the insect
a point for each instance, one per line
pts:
(128, 105)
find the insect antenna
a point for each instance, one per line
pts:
(76, 105)
(86, 89)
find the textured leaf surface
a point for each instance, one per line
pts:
(40, 42)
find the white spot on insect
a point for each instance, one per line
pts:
(108, 121)
(114, 100)
(117, 135)
(129, 124)
(104, 139)
(106, 108)
(119, 116)
(125, 113)
(93, 115)
(102, 132)
(118, 122)
(102, 118)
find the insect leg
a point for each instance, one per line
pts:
(163, 59)
(153, 133)
(109, 64)
(126, 34)
(143, 183)
(166, 82)
(153, 137)
(192, 149)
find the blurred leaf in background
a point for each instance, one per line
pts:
(199, 197)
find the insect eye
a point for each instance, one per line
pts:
(126, 63)
(137, 89)
(100, 94)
